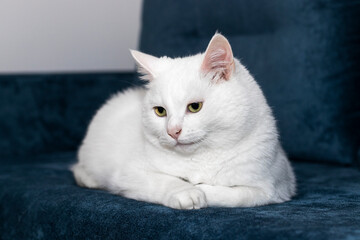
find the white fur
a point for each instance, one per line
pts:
(230, 154)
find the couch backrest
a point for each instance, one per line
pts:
(49, 113)
(304, 54)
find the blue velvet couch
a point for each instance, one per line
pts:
(306, 57)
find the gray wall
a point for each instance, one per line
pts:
(68, 35)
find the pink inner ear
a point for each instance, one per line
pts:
(146, 64)
(218, 58)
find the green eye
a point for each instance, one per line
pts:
(195, 107)
(160, 111)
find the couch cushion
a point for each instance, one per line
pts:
(42, 113)
(41, 201)
(304, 54)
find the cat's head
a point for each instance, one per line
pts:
(191, 102)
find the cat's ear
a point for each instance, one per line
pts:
(146, 64)
(218, 58)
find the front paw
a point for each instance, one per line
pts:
(192, 198)
(213, 194)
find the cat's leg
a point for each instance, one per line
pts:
(159, 188)
(236, 196)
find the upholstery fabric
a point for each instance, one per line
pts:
(48, 113)
(304, 54)
(39, 200)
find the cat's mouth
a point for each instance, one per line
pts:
(187, 143)
(184, 144)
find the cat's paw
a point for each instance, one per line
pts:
(192, 198)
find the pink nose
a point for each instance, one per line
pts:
(174, 132)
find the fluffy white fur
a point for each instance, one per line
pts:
(227, 154)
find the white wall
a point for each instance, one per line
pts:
(68, 35)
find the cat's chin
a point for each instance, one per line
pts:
(186, 147)
(179, 147)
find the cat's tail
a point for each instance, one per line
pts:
(82, 177)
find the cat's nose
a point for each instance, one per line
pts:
(174, 132)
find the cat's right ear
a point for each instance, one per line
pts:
(146, 64)
(218, 58)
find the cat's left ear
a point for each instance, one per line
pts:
(219, 59)
(146, 64)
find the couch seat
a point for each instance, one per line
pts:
(41, 201)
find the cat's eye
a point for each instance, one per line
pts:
(195, 107)
(160, 111)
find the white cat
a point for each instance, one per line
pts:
(200, 134)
